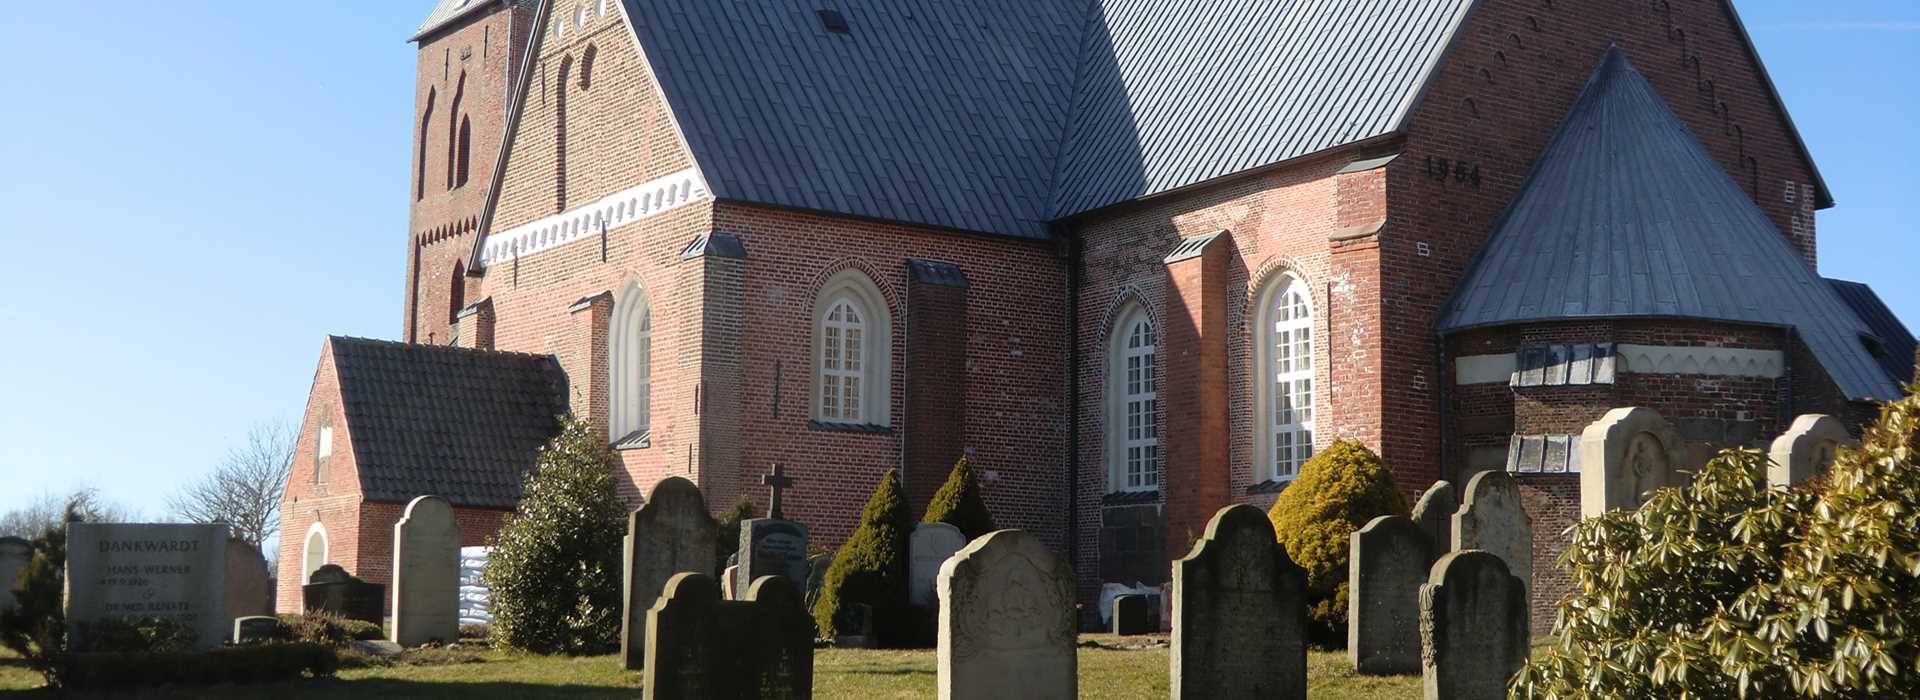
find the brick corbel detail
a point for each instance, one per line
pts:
(936, 376)
(1193, 390)
(586, 361)
(473, 326)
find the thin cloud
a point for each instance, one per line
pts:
(1853, 26)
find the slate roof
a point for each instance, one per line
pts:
(1896, 341)
(445, 12)
(1173, 94)
(1626, 215)
(452, 422)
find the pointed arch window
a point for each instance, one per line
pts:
(851, 348)
(457, 292)
(631, 350)
(426, 123)
(1284, 382)
(454, 122)
(465, 149)
(1133, 402)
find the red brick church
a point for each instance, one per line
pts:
(1137, 259)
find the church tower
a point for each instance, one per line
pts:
(464, 75)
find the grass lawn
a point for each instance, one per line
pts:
(475, 674)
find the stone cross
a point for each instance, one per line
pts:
(775, 481)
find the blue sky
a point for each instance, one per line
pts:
(193, 194)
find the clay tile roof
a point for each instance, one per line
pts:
(1627, 215)
(452, 422)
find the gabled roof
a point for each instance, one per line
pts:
(1896, 342)
(1175, 93)
(457, 423)
(1627, 215)
(445, 12)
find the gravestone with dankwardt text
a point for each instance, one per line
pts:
(125, 570)
(14, 555)
(1239, 614)
(1806, 449)
(929, 546)
(1492, 518)
(1007, 622)
(1473, 627)
(700, 646)
(426, 573)
(1386, 563)
(671, 534)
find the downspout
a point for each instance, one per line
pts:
(1071, 251)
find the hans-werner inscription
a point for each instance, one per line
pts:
(175, 572)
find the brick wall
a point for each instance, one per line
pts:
(333, 501)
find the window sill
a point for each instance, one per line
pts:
(1269, 486)
(636, 440)
(1130, 498)
(827, 427)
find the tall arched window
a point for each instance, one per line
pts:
(453, 129)
(457, 291)
(314, 553)
(426, 122)
(465, 149)
(1283, 389)
(631, 355)
(1133, 403)
(853, 341)
(560, 136)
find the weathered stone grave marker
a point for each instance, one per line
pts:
(929, 546)
(1806, 449)
(1239, 614)
(1007, 621)
(331, 589)
(1473, 627)
(247, 591)
(1386, 563)
(817, 576)
(1134, 614)
(14, 555)
(1434, 514)
(254, 629)
(426, 573)
(702, 647)
(670, 534)
(1623, 456)
(773, 545)
(1492, 518)
(123, 570)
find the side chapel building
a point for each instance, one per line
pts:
(1137, 259)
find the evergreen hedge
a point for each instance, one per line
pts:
(871, 568)
(1336, 493)
(959, 503)
(555, 569)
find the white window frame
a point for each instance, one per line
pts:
(1291, 370)
(630, 370)
(308, 564)
(1133, 402)
(873, 378)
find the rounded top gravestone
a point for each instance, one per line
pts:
(1806, 449)
(672, 533)
(1623, 456)
(1007, 621)
(426, 573)
(1493, 518)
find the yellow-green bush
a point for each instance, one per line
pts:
(1337, 492)
(959, 503)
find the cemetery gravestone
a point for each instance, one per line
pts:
(1623, 456)
(1434, 514)
(1007, 621)
(248, 593)
(175, 572)
(671, 533)
(331, 589)
(426, 573)
(729, 582)
(1133, 614)
(1492, 518)
(1239, 614)
(254, 629)
(929, 546)
(817, 576)
(699, 646)
(1386, 563)
(772, 546)
(14, 555)
(1806, 449)
(1473, 627)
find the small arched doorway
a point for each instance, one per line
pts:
(315, 554)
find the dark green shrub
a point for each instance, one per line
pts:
(555, 569)
(36, 626)
(331, 629)
(871, 567)
(959, 503)
(727, 539)
(1337, 492)
(142, 670)
(1726, 588)
(134, 635)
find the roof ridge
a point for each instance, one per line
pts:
(449, 349)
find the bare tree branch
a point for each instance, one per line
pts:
(49, 509)
(244, 490)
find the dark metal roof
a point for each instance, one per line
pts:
(1627, 215)
(451, 422)
(1172, 94)
(445, 12)
(925, 111)
(1896, 342)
